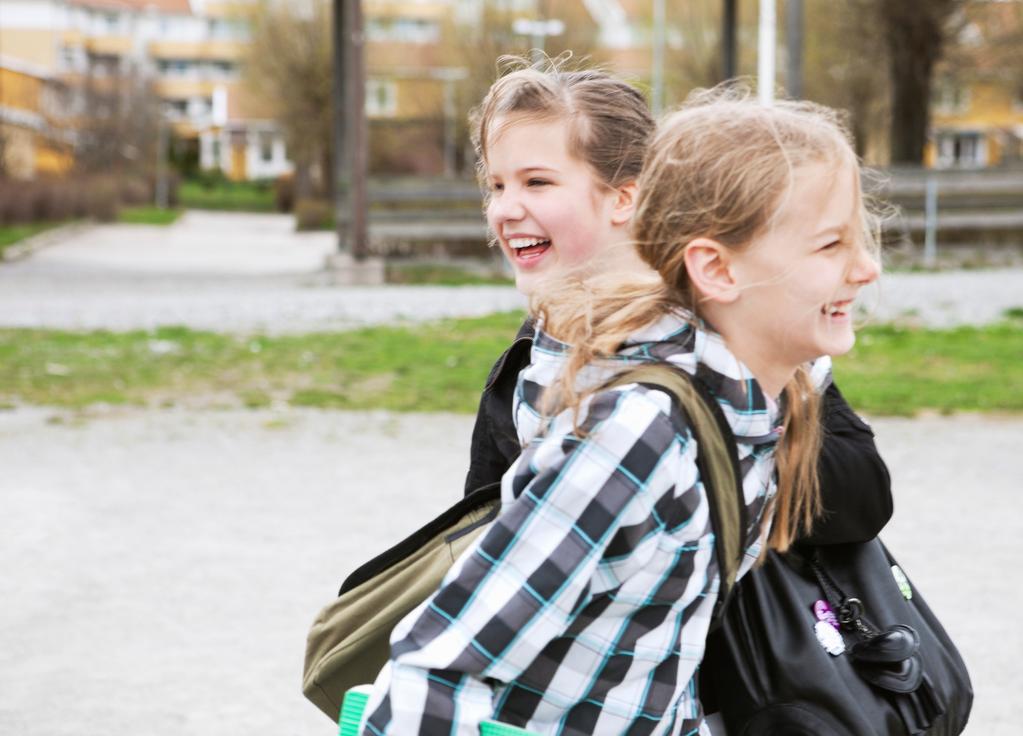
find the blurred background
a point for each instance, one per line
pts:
(133, 109)
(247, 307)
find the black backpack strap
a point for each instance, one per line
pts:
(716, 460)
(485, 500)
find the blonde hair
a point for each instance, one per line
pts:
(720, 167)
(609, 123)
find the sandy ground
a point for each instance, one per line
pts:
(161, 568)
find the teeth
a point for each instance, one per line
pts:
(518, 243)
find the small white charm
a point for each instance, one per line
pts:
(903, 582)
(829, 638)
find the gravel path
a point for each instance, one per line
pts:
(161, 568)
(248, 273)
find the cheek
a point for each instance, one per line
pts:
(583, 233)
(490, 215)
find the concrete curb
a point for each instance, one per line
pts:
(28, 246)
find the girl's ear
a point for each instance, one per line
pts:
(709, 268)
(625, 203)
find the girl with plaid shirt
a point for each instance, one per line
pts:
(584, 609)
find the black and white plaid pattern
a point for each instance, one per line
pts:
(584, 609)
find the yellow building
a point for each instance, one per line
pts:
(186, 48)
(977, 111)
(33, 138)
(976, 124)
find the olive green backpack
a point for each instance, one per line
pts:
(349, 642)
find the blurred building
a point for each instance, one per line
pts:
(977, 112)
(34, 136)
(187, 51)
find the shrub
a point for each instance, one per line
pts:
(102, 200)
(17, 202)
(135, 191)
(313, 214)
(284, 193)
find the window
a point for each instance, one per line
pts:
(952, 99)
(381, 98)
(266, 147)
(104, 65)
(109, 22)
(215, 152)
(961, 149)
(223, 70)
(68, 58)
(199, 107)
(177, 108)
(175, 67)
(402, 30)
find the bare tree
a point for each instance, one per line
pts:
(288, 64)
(117, 128)
(915, 33)
(694, 56)
(844, 68)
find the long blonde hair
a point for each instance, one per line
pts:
(719, 168)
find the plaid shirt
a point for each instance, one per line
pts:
(584, 609)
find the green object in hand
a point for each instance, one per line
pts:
(354, 706)
(493, 728)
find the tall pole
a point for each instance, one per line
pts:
(657, 73)
(161, 193)
(450, 112)
(729, 67)
(349, 129)
(539, 36)
(794, 46)
(765, 52)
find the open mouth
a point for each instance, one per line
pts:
(527, 248)
(837, 310)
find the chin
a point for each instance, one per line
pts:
(840, 346)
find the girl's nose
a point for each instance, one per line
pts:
(865, 267)
(505, 207)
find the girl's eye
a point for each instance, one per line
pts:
(538, 182)
(832, 245)
(496, 186)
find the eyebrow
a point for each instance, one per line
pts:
(831, 230)
(526, 170)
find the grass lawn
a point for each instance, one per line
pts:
(11, 234)
(897, 370)
(440, 274)
(442, 367)
(148, 215)
(226, 195)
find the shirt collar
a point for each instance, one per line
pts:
(683, 341)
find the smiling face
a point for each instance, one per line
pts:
(551, 214)
(796, 283)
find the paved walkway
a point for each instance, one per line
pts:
(161, 569)
(244, 272)
(233, 272)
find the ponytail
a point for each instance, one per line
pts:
(798, 502)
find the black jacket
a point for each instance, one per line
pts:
(855, 485)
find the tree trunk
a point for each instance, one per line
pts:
(915, 33)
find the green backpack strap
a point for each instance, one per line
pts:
(716, 461)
